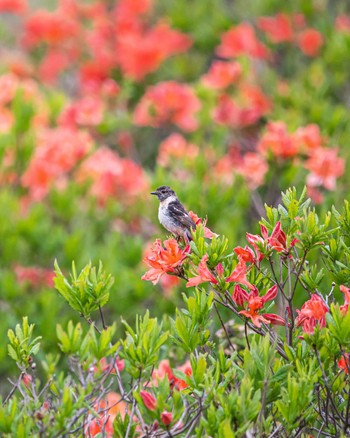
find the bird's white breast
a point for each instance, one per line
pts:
(163, 206)
(163, 217)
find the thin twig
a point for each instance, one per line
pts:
(102, 318)
(227, 335)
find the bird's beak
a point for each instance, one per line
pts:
(154, 193)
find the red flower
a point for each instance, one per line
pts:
(310, 41)
(229, 113)
(107, 409)
(342, 23)
(344, 363)
(277, 240)
(278, 28)
(110, 176)
(27, 379)
(14, 6)
(149, 400)
(256, 303)
(245, 254)
(239, 295)
(57, 152)
(87, 111)
(312, 312)
(222, 74)
(277, 140)
(274, 319)
(164, 259)
(164, 370)
(325, 168)
(308, 138)
(8, 86)
(34, 275)
(176, 147)
(346, 291)
(239, 275)
(186, 369)
(140, 51)
(103, 365)
(241, 40)
(168, 102)
(204, 274)
(168, 283)
(53, 63)
(49, 27)
(166, 418)
(197, 220)
(253, 168)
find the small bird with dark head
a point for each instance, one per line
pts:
(172, 214)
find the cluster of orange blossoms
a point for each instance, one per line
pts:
(164, 258)
(169, 258)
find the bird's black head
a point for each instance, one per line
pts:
(163, 192)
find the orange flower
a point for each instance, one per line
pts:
(222, 74)
(204, 274)
(312, 312)
(256, 303)
(310, 41)
(164, 259)
(241, 40)
(107, 409)
(325, 168)
(168, 102)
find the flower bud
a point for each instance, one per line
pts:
(166, 418)
(149, 400)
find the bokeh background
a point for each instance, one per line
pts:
(228, 102)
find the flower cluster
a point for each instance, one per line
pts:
(164, 258)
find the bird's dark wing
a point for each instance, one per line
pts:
(179, 214)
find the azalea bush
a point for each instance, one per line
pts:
(103, 101)
(279, 365)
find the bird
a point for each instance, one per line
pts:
(173, 215)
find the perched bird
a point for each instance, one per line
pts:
(172, 214)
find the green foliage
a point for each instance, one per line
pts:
(191, 325)
(141, 346)
(87, 291)
(22, 347)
